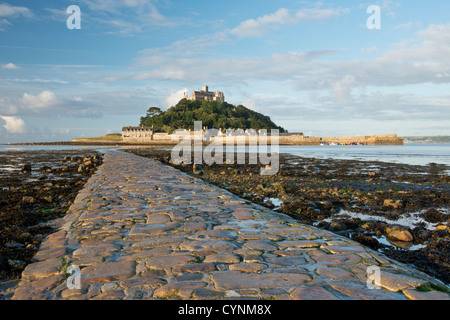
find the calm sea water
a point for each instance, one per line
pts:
(415, 154)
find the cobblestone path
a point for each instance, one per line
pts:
(142, 230)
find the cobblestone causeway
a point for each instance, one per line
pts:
(142, 230)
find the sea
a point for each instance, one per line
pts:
(412, 154)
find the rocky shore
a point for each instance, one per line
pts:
(36, 188)
(399, 210)
(143, 230)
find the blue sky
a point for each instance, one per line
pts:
(312, 66)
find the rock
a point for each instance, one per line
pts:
(396, 204)
(14, 245)
(26, 168)
(82, 168)
(197, 167)
(170, 260)
(327, 205)
(26, 236)
(269, 204)
(235, 280)
(46, 169)
(312, 205)
(414, 294)
(28, 199)
(228, 258)
(336, 226)
(434, 216)
(312, 293)
(260, 245)
(367, 241)
(42, 269)
(173, 289)
(248, 267)
(108, 272)
(399, 234)
(31, 247)
(17, 264)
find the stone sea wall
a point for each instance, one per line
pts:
(294, 139)
(388, 139)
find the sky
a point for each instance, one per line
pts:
(325, 68)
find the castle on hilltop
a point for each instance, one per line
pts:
(205, 95)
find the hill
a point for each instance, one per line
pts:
(212, 114)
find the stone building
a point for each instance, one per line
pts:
(137, 134)
(205, 95)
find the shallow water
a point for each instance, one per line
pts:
(412, 221)
(413, 154)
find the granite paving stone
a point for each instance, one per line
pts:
(143, 230)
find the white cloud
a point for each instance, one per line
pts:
(391, 86)
(13, 124)
(406, 25)
(10, 66)
(250, 103)
(258, 27)
(7, 10)
(419, 60)
(175, 97)
(114, 5)
(38, 80)
(3, 24)
(12, 12)
(43, 100)
(114, 13)
(319, 14)
(342, 89)
(369, 50)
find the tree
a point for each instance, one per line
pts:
(212, 114)
(154, 112)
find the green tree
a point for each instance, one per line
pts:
(212, 114)
(154, 112)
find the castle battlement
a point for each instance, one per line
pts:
(205, 95)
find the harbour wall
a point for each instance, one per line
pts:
(283, 139)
